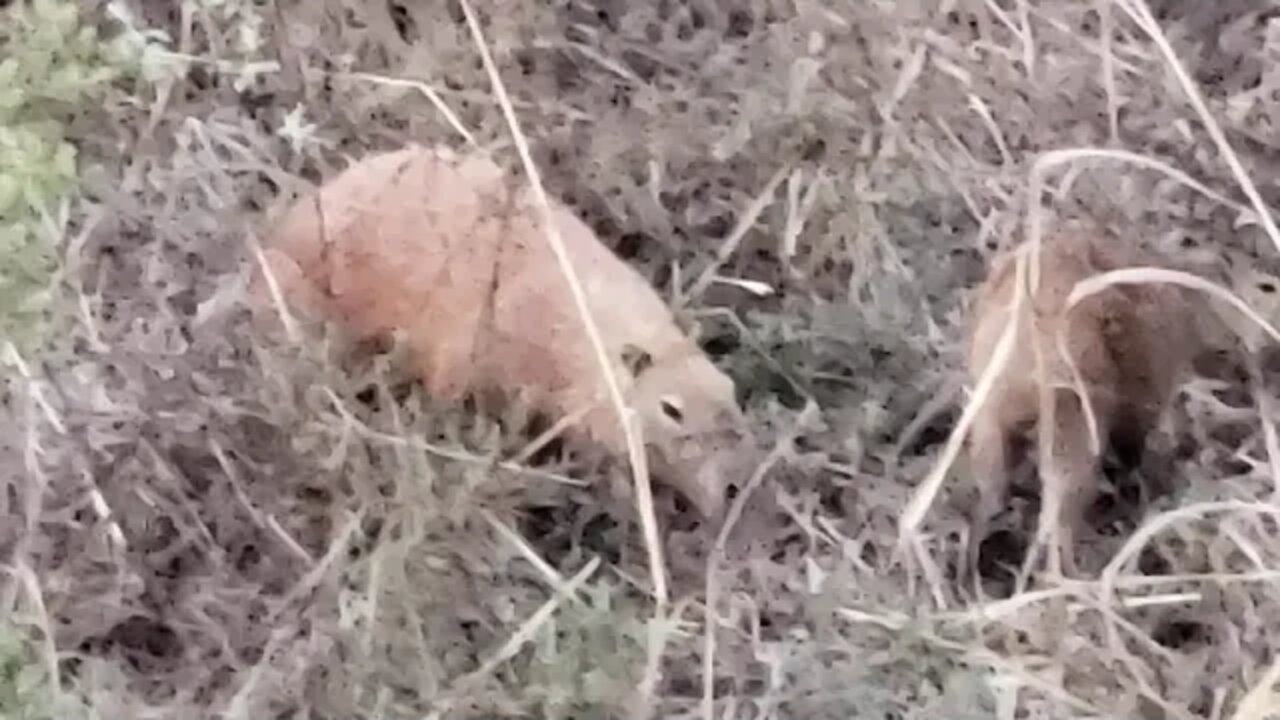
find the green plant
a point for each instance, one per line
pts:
(54, 66)
(590, 658)
(26, 690)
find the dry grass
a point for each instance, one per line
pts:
(200, 522)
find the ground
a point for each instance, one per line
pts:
(200, 522)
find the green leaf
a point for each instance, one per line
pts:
(9, 194)
(64, 160)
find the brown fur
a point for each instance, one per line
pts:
(447, 249)
(1131, 344)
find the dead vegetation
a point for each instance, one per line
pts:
(203, 523)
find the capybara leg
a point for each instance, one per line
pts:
(1069, 481)
(989, 461)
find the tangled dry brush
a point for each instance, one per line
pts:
(200, 523)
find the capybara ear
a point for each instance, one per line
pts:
(636, 359)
